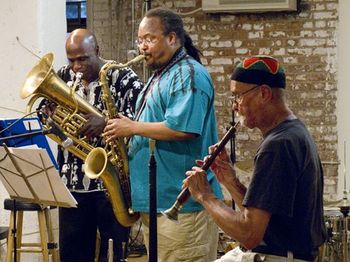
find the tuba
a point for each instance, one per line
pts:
(43, 82)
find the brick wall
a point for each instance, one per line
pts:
(305, 41)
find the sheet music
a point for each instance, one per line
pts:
(29, 174)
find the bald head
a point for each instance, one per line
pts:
(81, 38)
(83, 53)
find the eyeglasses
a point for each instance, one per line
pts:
(149, 41)
(237, 98)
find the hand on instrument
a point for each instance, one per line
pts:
(45, 110)
(198, 184)
(94, 125)
(118, 127)
(49, 108)
(222, 166)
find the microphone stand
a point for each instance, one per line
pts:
(29, 134)
(152, 203)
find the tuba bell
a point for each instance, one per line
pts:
(43, 82)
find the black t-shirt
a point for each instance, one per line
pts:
(288, 183)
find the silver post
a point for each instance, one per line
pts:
(123, 259)
(110, 250)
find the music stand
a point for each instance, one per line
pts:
(28, 174)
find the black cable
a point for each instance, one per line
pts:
(135, 248)
(131, 241)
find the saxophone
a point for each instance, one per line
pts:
(109, 163)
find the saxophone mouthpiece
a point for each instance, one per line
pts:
(137, 59)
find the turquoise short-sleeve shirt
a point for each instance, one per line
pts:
(182, 98)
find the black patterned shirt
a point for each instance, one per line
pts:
(124, 88)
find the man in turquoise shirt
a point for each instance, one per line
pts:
(185, 104)
(176, 109)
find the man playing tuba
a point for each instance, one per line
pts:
(78, 227)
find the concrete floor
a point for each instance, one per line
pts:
(138, 259)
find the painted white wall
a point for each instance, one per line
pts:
(343, 96)
(38, 26)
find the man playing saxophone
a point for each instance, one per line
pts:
(176, 108)
(78, 227)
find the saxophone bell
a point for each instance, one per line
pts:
(97, 165)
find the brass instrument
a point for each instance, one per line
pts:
(97, 164)
(41, 82)
(172, 212)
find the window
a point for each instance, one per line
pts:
(76, 14)
(245, 6)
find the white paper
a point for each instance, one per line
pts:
(32, 124)
(35, 178)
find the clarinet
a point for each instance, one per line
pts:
(233, 152)
(172, 212)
